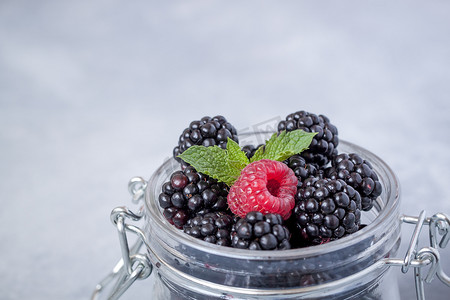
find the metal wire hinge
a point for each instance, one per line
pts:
(132, 266)
(438, 224)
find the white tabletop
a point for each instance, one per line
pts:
(93, 93)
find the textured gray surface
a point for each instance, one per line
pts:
(95, 92)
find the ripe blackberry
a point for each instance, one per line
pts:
(188, 192)
(358, 173)
(302, 169)
(324, 143)
(257, 231)
(213, 227)
(207, 132)
(326, 210)
(250, 150)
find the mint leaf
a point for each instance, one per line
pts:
(223, 165)
(282, 146)
(236, 156)
(226, 165)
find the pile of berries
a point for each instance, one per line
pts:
(310, 198)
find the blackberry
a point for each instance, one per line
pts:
(324, 143)
(260, 232)
(358, 173)
(207, 132)
(188, 192)
(213, 227)
(250, 150)
(326, 210)
(302, 169)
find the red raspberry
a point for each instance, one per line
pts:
(266, 186)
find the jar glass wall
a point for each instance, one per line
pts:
(348, 268)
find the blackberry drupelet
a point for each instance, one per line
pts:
(188, 192)
(324, 143)
(302, 169)
(325, 210)
(207, 132)
(213, 227)
(250, 150)
(260, 232)
(358, 173)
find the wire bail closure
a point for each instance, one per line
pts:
(439, 224)
(132, 266)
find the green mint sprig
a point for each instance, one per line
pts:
(223, 165)
(281, 147)
(226, 165)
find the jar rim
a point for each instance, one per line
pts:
(152, 211)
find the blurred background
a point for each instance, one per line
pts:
(93, 93)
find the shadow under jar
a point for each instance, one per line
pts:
(349, 268)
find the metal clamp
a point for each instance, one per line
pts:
(438, 224)
(132, 266)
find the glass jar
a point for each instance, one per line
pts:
(189, 268)
(353, 267)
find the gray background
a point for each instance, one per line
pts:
(93, 93)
